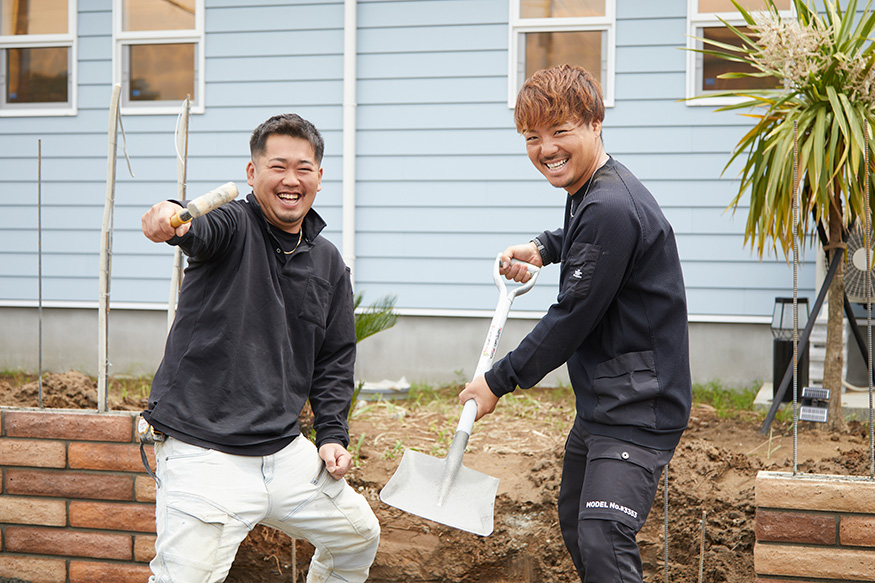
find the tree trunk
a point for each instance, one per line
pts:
(835, 353)
(834, 358)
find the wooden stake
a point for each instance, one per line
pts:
(181, 174)
(106, 250)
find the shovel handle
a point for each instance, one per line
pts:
(487, 355)
(469, 410)
(505, 300)
(469, 413)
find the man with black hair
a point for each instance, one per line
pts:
(265, 323)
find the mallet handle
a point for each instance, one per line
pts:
(205, 203)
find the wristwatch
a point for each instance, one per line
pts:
(542, 251)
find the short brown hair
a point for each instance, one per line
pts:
(287, 124)
(556, 95)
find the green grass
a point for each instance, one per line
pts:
(727, 402)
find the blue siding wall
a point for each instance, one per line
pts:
(443, 182)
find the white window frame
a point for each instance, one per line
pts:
(695, 22)
(520, 26)
(122, 39)
(38, 41)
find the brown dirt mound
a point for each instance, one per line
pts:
(67, 390)
(711, 489)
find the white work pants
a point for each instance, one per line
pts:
(207, 502)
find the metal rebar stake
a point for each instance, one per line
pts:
(869, 303)
(702, 548)
(665, 497)
(795, 294)
(39, 261)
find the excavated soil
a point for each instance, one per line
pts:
(710, 488)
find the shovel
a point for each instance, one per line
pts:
(444, 490)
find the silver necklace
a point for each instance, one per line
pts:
(585, 192)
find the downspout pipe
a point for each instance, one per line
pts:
(350, 25)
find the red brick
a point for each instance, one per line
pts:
(33, 569)
(796, 527)
(107, 456)
(70, 484)
(857, 531)
(144, 489)
(144, 548)
(16, 510)
(32, 452)
(112, 516)
(90, 572)
(71, 543)
(70, 425)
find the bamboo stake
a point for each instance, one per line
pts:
(181, 175)
(106, 249)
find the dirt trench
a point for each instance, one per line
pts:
(710, 480)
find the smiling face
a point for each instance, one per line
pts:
(567, 154)
(285, 178)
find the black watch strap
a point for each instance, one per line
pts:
(542, 251)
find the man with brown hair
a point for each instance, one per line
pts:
(619, 323)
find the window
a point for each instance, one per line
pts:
(703, 71)
(159, 54)
(37, 57)
(544, 33)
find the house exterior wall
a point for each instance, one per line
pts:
(442, 180)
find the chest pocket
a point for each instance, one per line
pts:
(316, 301)
(579, 266)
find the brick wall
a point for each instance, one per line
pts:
(76, 505)
(814, 528)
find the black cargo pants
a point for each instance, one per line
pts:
(608, 487)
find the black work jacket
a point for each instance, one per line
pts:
(257, 333)
(620, 319)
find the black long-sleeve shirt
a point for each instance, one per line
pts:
(620, 320)
(257, 333)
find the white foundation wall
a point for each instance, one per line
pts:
(423, 349)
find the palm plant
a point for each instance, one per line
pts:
(374, 318)
(820, 116)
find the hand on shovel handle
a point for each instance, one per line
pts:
(479, 392)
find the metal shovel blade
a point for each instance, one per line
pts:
(415, 488)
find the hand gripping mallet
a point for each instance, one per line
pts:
(205, 203)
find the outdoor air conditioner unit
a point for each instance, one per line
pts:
(856, 272)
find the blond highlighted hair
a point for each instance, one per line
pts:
(560, 94)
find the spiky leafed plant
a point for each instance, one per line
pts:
(375, 318)
(823, 66)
